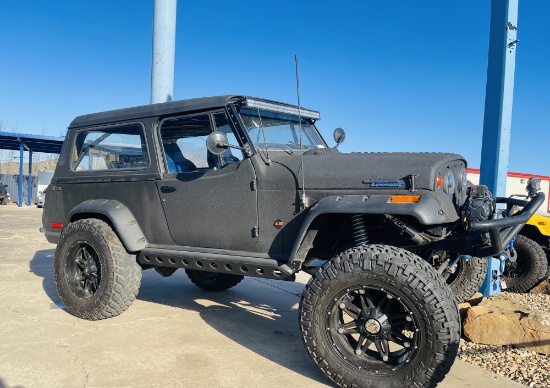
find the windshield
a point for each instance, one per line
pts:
(281, 130)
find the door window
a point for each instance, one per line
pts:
(184, 142)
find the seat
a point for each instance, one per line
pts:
(175, 160)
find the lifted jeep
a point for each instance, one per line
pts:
(234, 186)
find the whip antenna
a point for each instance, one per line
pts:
(304, 199)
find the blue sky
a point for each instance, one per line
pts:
(396, 75)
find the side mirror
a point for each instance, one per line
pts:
(217, 143)
(339, 136)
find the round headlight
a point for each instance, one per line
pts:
(450, 183)
(463, 179)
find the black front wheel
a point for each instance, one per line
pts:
(380, 316)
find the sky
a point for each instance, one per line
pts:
(397, 75)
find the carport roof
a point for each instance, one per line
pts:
(34, 143)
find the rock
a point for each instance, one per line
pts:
(476, 299)
(542, 288)
(463, 310)
(502, 321)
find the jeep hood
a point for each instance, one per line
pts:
(375, 170)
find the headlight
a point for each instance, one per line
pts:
(463, 179)
(450, 183)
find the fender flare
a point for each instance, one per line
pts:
(124, 222)
(428, 211)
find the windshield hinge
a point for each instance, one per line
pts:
(254, 185)
(255, 232)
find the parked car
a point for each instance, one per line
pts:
(4, 195)
(538, 229)
(41, 198)
(233, 186)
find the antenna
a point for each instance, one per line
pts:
(304, 199)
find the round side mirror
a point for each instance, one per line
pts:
(217, 143)
(339, 136)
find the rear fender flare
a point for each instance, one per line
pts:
(122, 219)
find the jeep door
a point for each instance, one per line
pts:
(209, 201)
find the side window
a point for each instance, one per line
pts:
(119, 147)
(184, 142)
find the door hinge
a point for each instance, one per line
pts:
(254, 185)
(255, 232)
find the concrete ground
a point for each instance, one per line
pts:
(174, 335)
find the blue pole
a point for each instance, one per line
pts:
(164, 47)
(499, 95)
(29, 183)
(20, 191)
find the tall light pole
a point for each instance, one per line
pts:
(164, 47)
(499, 95)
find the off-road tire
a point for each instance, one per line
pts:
(119, 272)
(409, 280)
(468, 278)
(212, 281)
(531, 265)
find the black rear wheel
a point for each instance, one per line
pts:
(95, 277)
(378, 315)
(467, 278)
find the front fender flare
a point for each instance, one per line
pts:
(428, 211)
(122, 219)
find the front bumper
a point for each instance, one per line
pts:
(503, 230)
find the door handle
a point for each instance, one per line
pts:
(167, 189)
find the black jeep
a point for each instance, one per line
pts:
(233, 186)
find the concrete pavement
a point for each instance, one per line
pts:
(174, 335)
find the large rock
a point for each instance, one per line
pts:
(501, 321)
(542, 288)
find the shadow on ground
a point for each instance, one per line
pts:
(253, 314)
(42, 266)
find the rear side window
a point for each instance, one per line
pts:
(120, 147)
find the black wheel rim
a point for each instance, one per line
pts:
(83, 269)
(373, 330)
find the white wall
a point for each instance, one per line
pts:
(516, 185)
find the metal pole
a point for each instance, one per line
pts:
(20, 188)
(164, 47)
(29, 183)
(499, 95)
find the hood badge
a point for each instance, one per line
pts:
(384, 183)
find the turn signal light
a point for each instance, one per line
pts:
(542, 222)
(439, 180)
(404, 198)
(56, 225)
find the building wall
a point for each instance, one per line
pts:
(516, 185)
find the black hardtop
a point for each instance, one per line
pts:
(164, 108)
(161, 109)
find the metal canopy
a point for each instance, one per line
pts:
(31, 143)
(34, 143)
